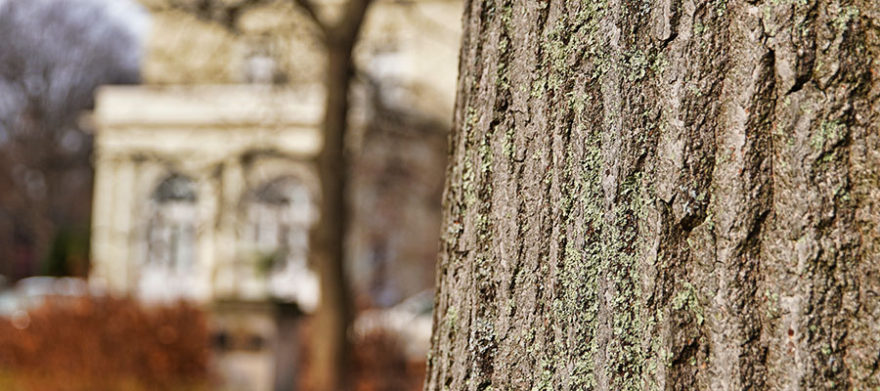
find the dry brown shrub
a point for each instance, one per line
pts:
(105, 344)
(379, 363)
(382, 366)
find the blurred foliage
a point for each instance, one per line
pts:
(53, 55)
(379, 363)
(105, 344)
(382, 366)
(266, 261)
(68, 254)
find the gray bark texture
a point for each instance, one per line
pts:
(663, 195)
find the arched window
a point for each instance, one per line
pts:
(279, 215)
(171, 239)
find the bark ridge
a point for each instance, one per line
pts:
(663, 195)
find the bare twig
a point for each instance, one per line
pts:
(309, 8)
(214, 11)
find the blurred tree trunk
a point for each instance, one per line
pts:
(332, 350)
(663, 194)
(331, 355)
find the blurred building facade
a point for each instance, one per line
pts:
(404, 92)
(206, 192)
(205, 181)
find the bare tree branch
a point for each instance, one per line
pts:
(309, 8)
(226, 16)
(213, 11)
(348, 27)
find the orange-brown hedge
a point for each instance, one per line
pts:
(105, 344)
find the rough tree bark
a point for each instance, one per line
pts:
(663, 194)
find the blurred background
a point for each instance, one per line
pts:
(159, 180)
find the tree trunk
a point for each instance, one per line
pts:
(663, 194)
(331, 347)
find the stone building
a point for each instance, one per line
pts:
(207, 193)
(206, 186)
(407, 65)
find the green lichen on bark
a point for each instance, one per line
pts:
(662, 194)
